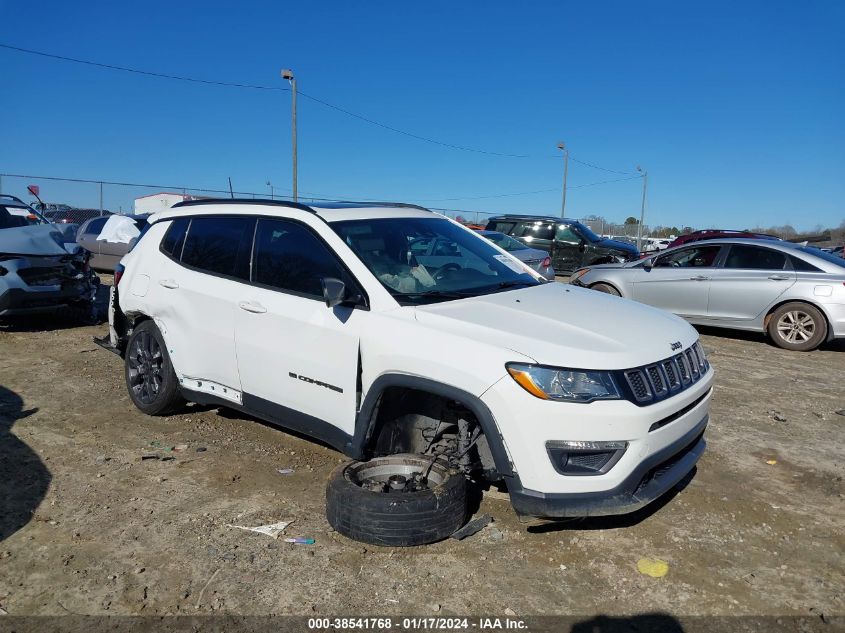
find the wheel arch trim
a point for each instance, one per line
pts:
(365, 420)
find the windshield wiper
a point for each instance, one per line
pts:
(444, 294)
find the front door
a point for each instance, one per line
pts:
(679, 281)
(569, 248)
(295, 355)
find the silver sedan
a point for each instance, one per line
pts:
(537, 258)
(795, 293)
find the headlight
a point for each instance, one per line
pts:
(569, 385)
(578, 274)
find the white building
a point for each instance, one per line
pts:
(156, 202)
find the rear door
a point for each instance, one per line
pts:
(750, 280)
(679, 281)
(197, 289)
(295, 355)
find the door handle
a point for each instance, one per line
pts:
(699, 278)
(168, 283)
(251, 306)
(779, 277)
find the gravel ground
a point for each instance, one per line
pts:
(88, 527)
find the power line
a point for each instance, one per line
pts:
(322, 102)
(142, 72)
(410, 134)
(526, 193)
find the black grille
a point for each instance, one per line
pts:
(652, 383)
(636, 380)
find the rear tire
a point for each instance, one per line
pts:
(150, 379)
(606, 288)
(798, 326)
(400, 518)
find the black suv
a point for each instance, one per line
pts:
(571, 244)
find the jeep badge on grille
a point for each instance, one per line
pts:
(676, 345)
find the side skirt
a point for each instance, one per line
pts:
(279, 415)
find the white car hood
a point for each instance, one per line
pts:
(566, 326)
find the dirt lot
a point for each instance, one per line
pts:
(87, 527)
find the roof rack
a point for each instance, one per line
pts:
(373, 203)
(297, 205)
(278, 203)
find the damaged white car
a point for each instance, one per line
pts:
(42, 269)
(429, 369)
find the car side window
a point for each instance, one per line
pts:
(288, 256)
(565, 233)
(801, 266)
(693, 257)
(536, 230)
(755, 258)
(220, 245)
(174, 238)
(95, 226)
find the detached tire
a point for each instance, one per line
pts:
(358, 510)
(798, 326)
(150, 379)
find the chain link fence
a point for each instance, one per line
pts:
(73, 200)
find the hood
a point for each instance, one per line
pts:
(619, 246)
(564, 326)
(44, 240)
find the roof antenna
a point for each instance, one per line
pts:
(231, 193)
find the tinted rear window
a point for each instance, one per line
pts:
(828, 257)
(220, 245)
(802, 266)
(175, 237)
(755, 258)
(94, 227)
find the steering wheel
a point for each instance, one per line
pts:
(442, 272)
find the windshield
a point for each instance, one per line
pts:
(587, 232)
(505, 242)
(426, 260)
(15, 216)
(828, 257)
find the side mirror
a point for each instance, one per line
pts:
(648, 264)
(334, 291)
(582, 245)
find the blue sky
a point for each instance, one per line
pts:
(734, 108)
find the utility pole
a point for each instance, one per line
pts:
(101, 198)
(562, 146)
(642, 209)
(287, 73)
(272, 190)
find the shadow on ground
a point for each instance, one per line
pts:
(615, 521)
(24, 478)
(836, 345)
(647, 622)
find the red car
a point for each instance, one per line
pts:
(714, 234)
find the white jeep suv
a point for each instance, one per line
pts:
(419, 349)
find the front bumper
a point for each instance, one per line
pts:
(653, 478)
(19, 301)
(663, 444)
